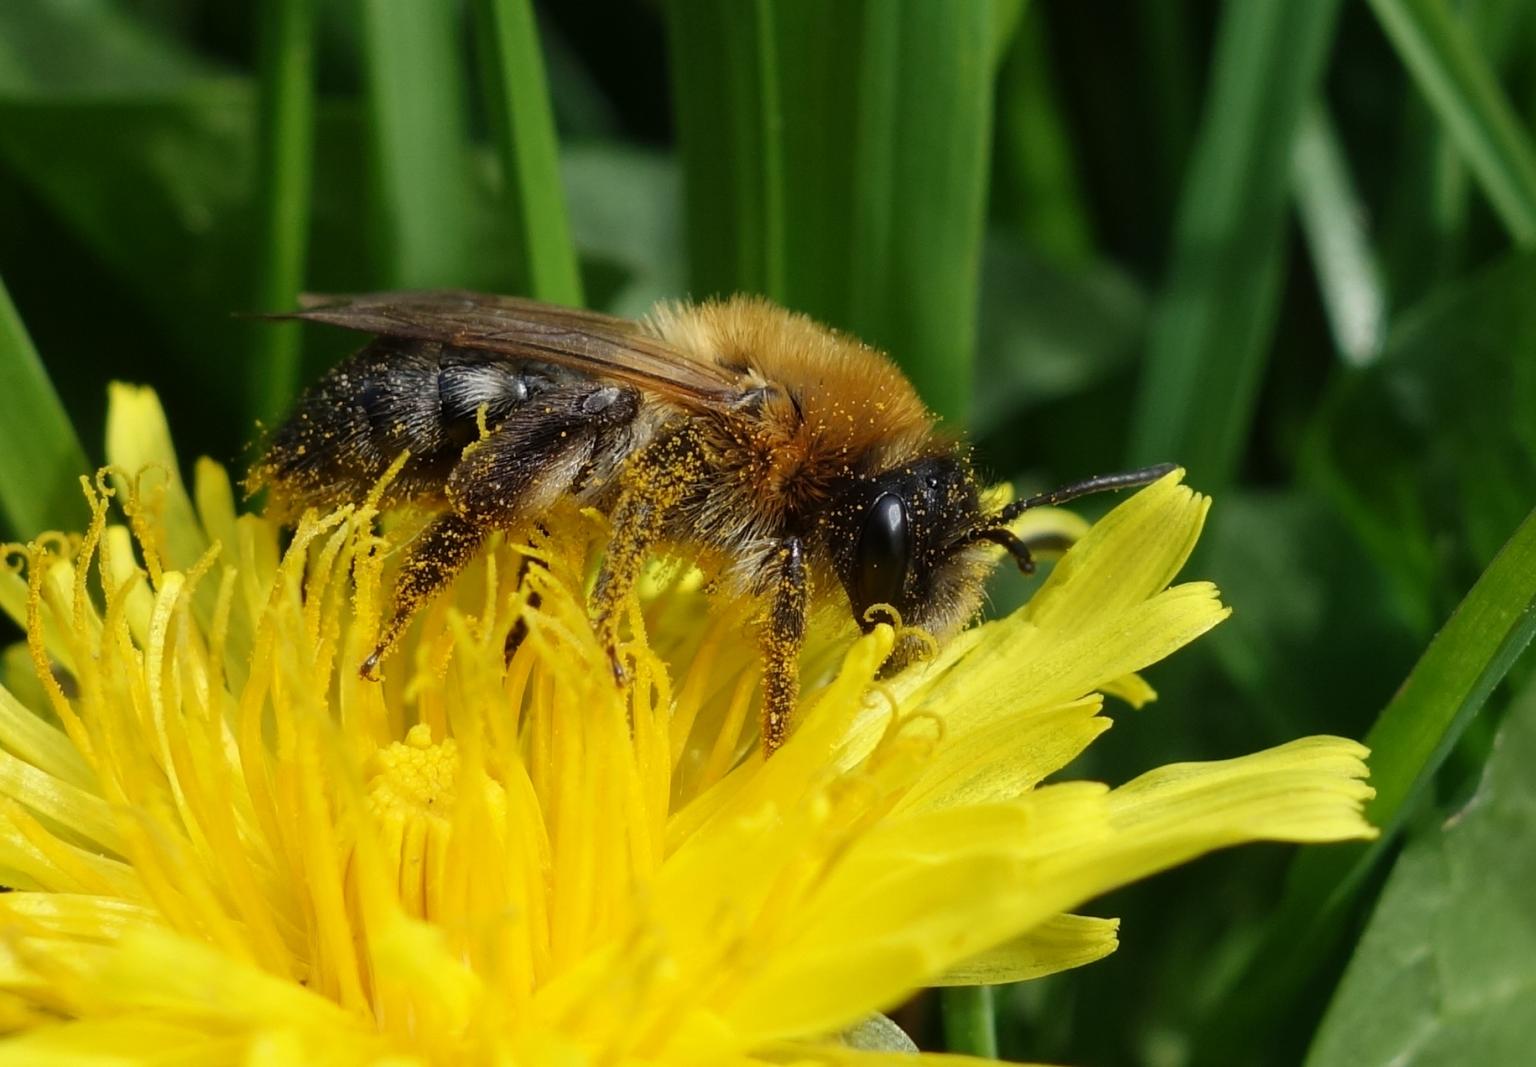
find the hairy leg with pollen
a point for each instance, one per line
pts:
(653, 483)
(503, 479)
(782, 634)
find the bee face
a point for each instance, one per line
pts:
(899, 539)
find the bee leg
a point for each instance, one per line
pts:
(437, 554)
(781, 638)
(519, 632)
(516, 472)
(653, 483)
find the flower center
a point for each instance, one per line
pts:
(411, 797)
(415, 777)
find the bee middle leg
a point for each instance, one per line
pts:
(781, 638)
(653, 483)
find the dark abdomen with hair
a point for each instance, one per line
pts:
(392, 397)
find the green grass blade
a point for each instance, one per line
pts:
(40, 457)
(1332, 221)
(922, 157)
(729, 138)
(1172, 80)
(970, 1023)
(286, 110)
(1211, 330)
(517, 98)
(415, 95)
(1441, 55)
(1450, 683)
(1409, 741)
(1038, 188)
(819, 172)
(818, 47)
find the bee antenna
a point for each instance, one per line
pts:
(1012, 544)
(1099, 483)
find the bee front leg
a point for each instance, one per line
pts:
(782, 636)
(653, 483)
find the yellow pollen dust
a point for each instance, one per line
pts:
(415, 777)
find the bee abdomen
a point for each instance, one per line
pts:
(394, 396)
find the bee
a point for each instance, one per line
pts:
(799, 459)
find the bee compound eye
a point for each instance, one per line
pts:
(883, 554)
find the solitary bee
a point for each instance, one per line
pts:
(799, 459)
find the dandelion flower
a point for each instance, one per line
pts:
(226, 846)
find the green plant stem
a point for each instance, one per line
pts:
(970, 1025)
(517, 99)
(1410, 740)
(286, 109)
(40, 457)
(1443, 59)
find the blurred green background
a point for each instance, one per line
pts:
(1284, 242)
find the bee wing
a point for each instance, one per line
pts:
(588, 341)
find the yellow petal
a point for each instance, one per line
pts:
(1131, 554)
(1309, 790)
(1018, 664)
(40, 744)
(1058, 944)
(89, 918)
(82, 813)
(1002, 758)
(139, 448)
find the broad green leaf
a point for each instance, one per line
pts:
(416, 103)
(517, 100)
(285, 147)
(1442, 56)
(41, 460)
(1446, 968)
(1212, 326)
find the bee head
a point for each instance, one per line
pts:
(899, 539)
(912, 538)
